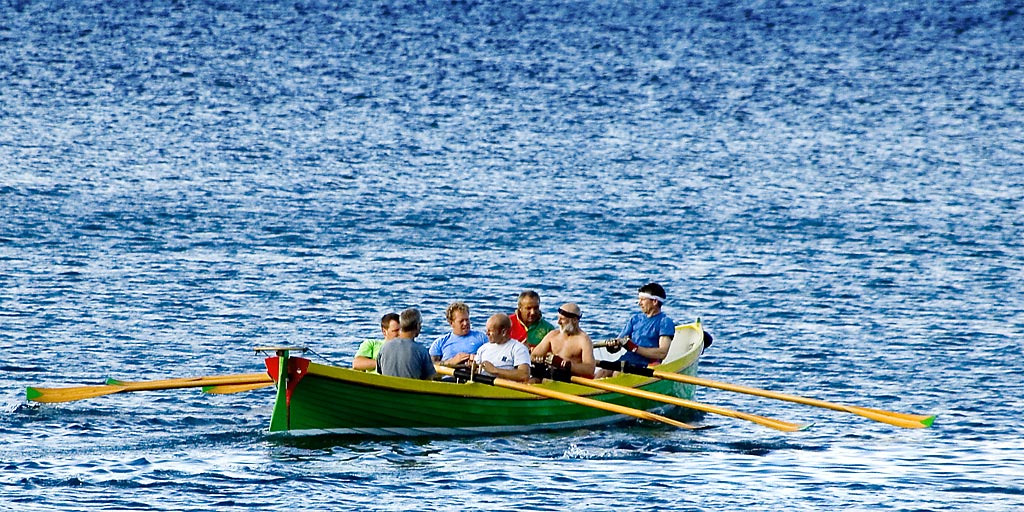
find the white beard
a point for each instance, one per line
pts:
(569, 329)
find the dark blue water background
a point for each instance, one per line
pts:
(834, 187)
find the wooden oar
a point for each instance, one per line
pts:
(892, 418)
(226, 389)
(784, 426)
(566, 397)
(209, 380)
(69, 394)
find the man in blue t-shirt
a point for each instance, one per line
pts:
(648, 334)
(460, 345)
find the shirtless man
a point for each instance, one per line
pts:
(568, 342)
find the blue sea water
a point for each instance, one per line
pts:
(835, 188)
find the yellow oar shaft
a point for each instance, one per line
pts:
(192, 382)
(590, 402)
(226, 389)
(784, 426)
(579, 400)
(69, 394)
(892, 418)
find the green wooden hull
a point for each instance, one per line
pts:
(322, 399)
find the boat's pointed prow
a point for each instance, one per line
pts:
(686, 337)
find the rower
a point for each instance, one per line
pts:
(648, 334)
(528, 324)
(502, 356)
(366, 357)
(458, 346)
(402, 356)
(567, 347)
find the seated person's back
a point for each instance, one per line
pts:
(402, 356)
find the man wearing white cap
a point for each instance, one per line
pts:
(648, 334)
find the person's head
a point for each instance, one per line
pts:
(458, 317)
(528, 308)
(390, 325)
(650, 299)
(410, 322)
(498, 328)
(569, 318)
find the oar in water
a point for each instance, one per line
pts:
(892, 418)
(69, 394)
(566, 397)
(784, 426)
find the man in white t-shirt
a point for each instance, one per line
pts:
(500, 357)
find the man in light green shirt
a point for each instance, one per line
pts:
(366, 356)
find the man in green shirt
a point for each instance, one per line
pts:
(366, 356)
(527, 325)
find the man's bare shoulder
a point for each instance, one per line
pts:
(581, 338)
(551, 335)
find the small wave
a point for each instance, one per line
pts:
(21, 369)
(1015, 491)
(35, 482)
(574, 451)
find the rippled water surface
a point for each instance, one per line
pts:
(835, 188)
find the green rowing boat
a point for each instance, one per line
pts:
(321, 399)
(316, 399)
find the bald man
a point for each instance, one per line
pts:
(502, 356)
(568, 342)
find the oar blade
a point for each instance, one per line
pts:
(699, 427)
(55, 395)
(924, 419)
(875, 415)
(784, 426)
